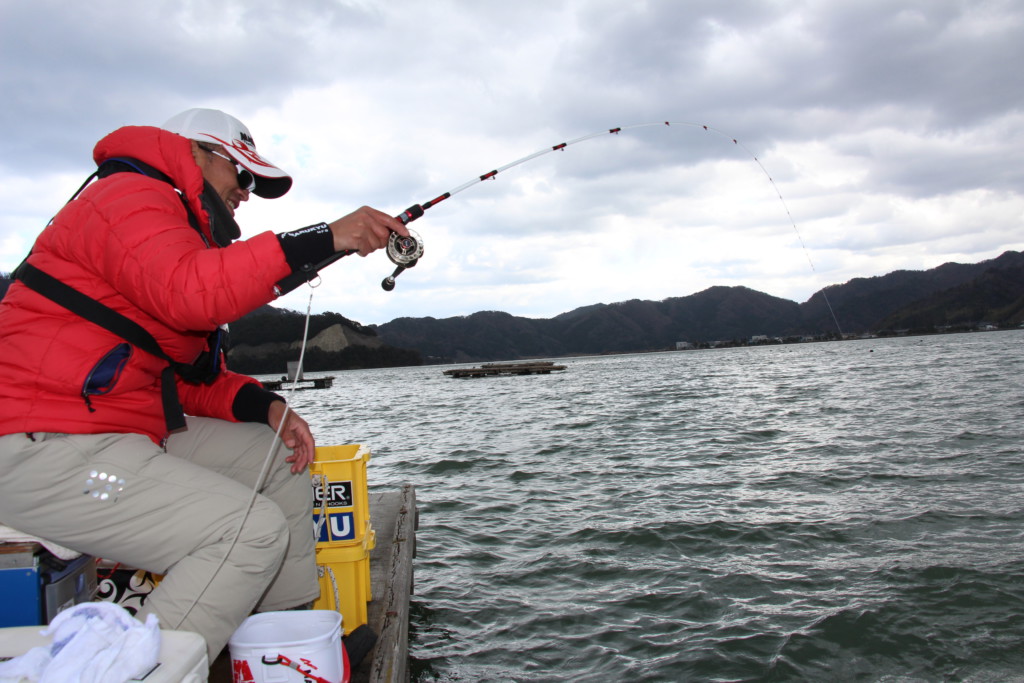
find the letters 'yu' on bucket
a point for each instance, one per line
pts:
(286, 647)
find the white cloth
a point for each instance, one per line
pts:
(93, 642)
(14, 536)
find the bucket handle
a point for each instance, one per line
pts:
(285, 661)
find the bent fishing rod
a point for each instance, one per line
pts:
(405, 252)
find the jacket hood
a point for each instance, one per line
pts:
(167, 152)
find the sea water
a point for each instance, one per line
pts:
(830, 511)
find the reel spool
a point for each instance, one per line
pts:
(404, 252)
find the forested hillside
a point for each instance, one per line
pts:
(264, 341)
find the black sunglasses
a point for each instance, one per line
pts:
(246, 180)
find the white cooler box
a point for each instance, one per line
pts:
(182, 653)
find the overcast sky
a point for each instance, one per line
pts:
(893, 131)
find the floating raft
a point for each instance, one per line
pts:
(315, 383)
(493, 369)
(396, 519)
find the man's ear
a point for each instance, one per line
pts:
(199, 154)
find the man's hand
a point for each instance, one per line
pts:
(295, 434)
(365, 230)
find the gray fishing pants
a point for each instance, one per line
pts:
(175, 512)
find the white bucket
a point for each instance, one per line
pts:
(288, 647)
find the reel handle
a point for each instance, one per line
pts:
(388, 283)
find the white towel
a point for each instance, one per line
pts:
(15, 536)
(94, 642)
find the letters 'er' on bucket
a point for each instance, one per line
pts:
(287, 647)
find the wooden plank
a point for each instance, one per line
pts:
(19, 554)
(395, 519)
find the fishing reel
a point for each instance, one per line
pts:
(404, 252)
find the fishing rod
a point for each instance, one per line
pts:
(405, 252)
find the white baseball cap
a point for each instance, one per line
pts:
(212, 125)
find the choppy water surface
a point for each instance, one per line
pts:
(846, 511)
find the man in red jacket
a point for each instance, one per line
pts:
(92, 449)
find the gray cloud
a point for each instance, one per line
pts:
(884, 124)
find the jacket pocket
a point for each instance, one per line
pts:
(104, 375)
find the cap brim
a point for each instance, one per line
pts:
(271, 188)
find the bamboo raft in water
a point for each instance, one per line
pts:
(495, 369)
(396, 520)
(312, 383)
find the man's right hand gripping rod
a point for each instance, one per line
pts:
(404, 252)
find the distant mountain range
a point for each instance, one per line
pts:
(951, 296)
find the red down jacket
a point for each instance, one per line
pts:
(126, 242)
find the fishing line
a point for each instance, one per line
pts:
(267, 461)
(406, 251)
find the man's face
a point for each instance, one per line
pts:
(222, 173)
